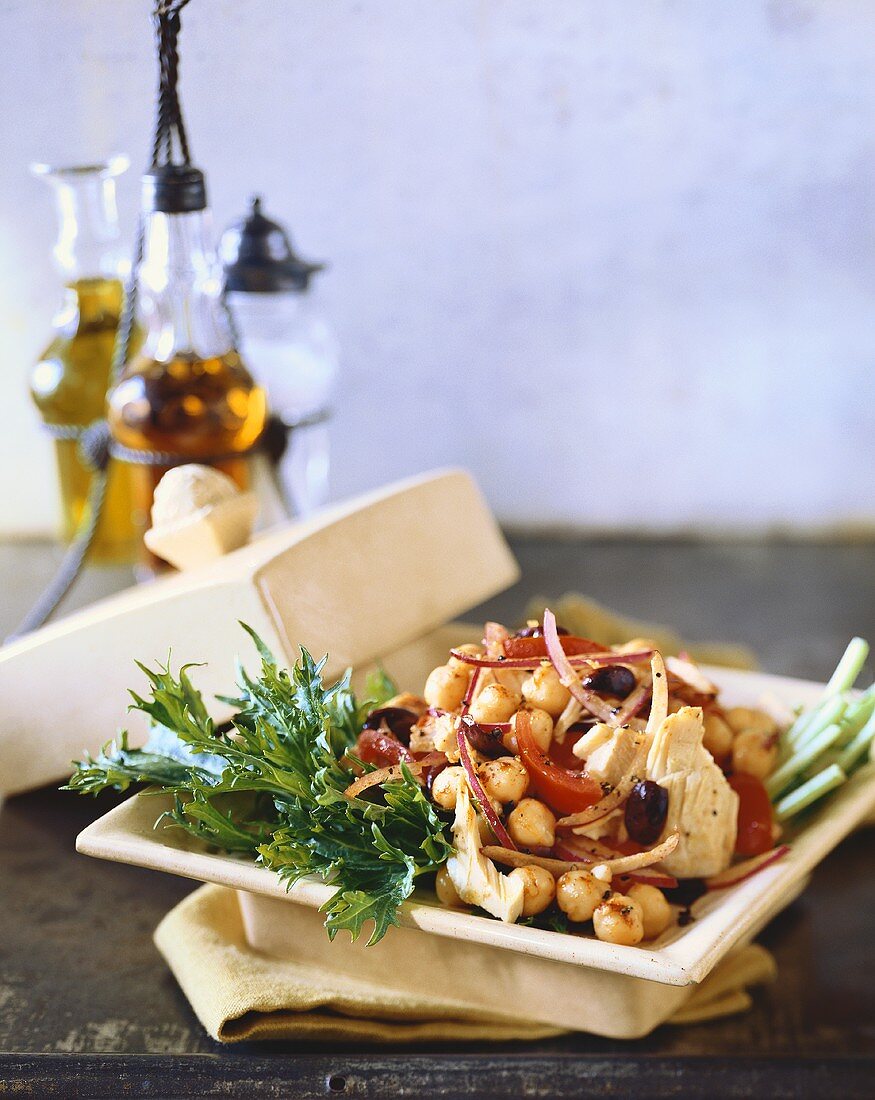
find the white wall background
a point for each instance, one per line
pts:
(616, 257)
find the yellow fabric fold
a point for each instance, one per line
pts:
(585, 617)
(239, 994)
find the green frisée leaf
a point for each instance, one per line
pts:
(118, 766)
(372, 852)
(379, 688)
(271, 782)
(237, 828)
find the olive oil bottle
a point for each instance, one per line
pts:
(186, 396)
(69, 382)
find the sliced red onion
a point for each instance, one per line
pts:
(623, 864)
(567, 676)
(512, 857)
(732, 876)
(648, 877)
(634, 702)
(593, 660)
(384, 775)
(501, 834)
(590, 852)
(598, 853)
(469, 694)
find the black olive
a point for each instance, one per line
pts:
(537, 632)
(646, 811)
(687, 891)
(578, 729)
(397, 720)
(489, 742)
(612, 680)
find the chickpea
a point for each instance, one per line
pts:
(445, 787)
(472, 649)
(718, 736)
(445, 687)
(542, 730)
(755, 753)
(746, 718)
(495, 703)
(539, 888)
(578, 894)
(505, 779)
(445, 889)
(656, 911)
(532, 825)
(619, 919)
(543, 689)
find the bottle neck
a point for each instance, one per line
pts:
(88, 246)
(180, 284)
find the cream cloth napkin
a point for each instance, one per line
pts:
(239, 994)
(589, 619)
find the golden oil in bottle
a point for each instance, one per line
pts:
(68, 386)
(70, 381)
(205, 409)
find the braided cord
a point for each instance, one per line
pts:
(72, 561)
(166, 21)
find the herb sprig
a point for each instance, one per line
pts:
(271, 783)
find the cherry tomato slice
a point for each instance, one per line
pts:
(380, 749)
(537, 647)
(563, 754)
(754, 815)
(563, 790)
(627, 848)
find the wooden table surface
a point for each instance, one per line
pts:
(88, 1008)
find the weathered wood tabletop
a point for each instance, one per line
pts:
(88, 1008)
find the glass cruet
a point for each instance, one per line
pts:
(70, 380)
(187, 394)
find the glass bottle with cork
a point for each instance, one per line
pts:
(186, 396)
(69, 382)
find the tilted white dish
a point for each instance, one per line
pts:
(565, 980)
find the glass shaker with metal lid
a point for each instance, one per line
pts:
(287, 343)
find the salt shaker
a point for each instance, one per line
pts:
(287, 343)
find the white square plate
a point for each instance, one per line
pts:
(681, 957)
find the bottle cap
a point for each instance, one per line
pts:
(174, 189)
(258, 257)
